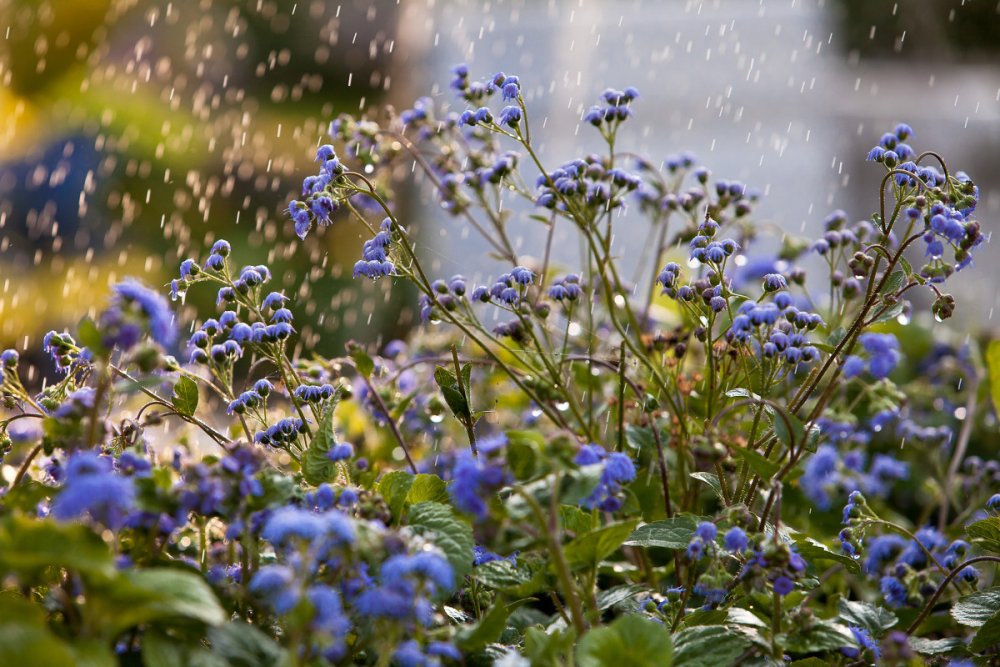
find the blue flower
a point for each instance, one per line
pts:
(474, 481)
(277, 585)
(736, 540)
(893, 591)
(340, 452)
(94, 489)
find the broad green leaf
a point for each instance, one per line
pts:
(452, 535)
(185, 397)
(23, 641)
(612, 596)
(892, 312)
(92, 653)
(674, 533)
(821, 635)
(574, 520)
(811, 550)
(243, 645)
(986, 533)
(29, 546)
(781, 427)
(977, 608)
(548, 649)
(757, 462)
(936, 646)
(156, 596)
(988, 635)
(631, 640)
(708, 646)
(579, 484)
(400, 489)
(589, 549)
(641, 438)
(737, 616)
(993, 365)
(501, 574)
(876, 620)
(316, 464)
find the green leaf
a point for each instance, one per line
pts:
(580, 484)
(161, 594)
(988, 635)
(894, 282)
(25, 639)
(548, 649)
(758, 462)
(781, 427)
(936, 646)
(811, 550)
(876, 620)
(631, 640)
(161, 651)
(452, 535)
(612, 596)
(93, 653)
(986, 533)
(29, 546)
(674, 533)
(362, 361)
(316, 465)
(589, 549)
(501, 574)
(821, 635)
(489, 628)
(400, 489)
(708, 646)
(456, 399)
(185, 396)
(977, 608)
(892, 312)
(711, 479)
(89, 336)
(243, 645)
(993, 366)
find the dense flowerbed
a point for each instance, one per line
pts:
(701, 456)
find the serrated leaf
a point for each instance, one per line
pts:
(501, 574)
(936, 646)
(821, 635)
(589, 549)
(316, 464)
(708, 646)
(811, 550)
(400, 489)
(612, 596)
(185, 397)
(631, 640)
(673, 533)
(876, 620)
(452, 535)
(977, 608)
(986, 533)
(894, 282)
(757, 462)
(892, 312)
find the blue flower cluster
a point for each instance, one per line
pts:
(618, 469)
(588, 182)
(831, 474)
(322, 194)
(777, 563)
(474, 480)
(566, 288)
(65, 352)
(616, 107)
(374, 262)
(882, 351)
(93, 488)
(134, 310)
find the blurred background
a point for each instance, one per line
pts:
(133, 133)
